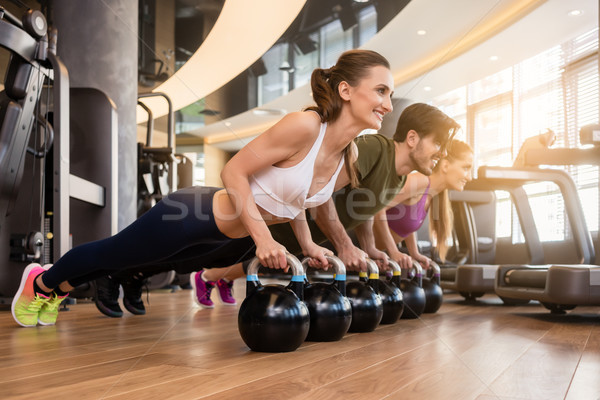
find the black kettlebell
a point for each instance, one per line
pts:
(413, 293)
(273, 318)
(433, 292)
(391, 297)
(330, 311)
(367, 308)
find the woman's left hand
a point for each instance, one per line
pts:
(317, 256)
(423, 260)
(380, 257)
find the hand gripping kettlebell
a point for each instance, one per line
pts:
(391, 296)
(330, 311)
(367, 308)
(413, 293)
(273, 318)
(434, 296)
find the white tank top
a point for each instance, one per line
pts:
(283, 191)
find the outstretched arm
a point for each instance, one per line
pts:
(383, 236)
(309, 248)
(413, 250)
(277, 146)
(366, 238)
(328, 221)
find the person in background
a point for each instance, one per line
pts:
(421, 195)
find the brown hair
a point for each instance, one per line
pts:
(426, 120)
(351, 67)
(441, 218)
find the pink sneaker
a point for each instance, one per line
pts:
(201, 290)
(226, 292)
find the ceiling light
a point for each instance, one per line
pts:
(227, 123)
(493, 58)
(361, 1)
(421, 32)
(427, 88)
(574, 13)
(285, 66)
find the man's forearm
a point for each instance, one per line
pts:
(364, 233)
(381, 232)
(329, 223)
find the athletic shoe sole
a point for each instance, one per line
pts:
(26, 273)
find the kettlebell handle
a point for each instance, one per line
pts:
(339, 269)
(418, 273)
(396, 272)
(434, 272)
(373, 271)
(296, 284)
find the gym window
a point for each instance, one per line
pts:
(557, 90)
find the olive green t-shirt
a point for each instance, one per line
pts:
(378, 185)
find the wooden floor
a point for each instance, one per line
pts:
(177, 351)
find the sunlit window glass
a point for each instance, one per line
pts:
(274, 83)
(334, 41)
(367, 24)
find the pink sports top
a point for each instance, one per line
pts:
(405, 220)
(283, 192)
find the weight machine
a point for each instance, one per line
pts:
(59, 191)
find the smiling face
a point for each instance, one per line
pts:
(426, 153)
(458, 171)
(371, 98)
(454, 170)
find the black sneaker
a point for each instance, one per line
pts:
(132, 294)
(106, 296)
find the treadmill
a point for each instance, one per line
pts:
(558, 287)
(473, 273)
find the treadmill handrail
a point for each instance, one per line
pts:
(573, 156)
(509, 178)
(472, 196)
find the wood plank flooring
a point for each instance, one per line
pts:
(481, 350)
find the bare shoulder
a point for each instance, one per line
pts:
(303, 120)
(298, 126)
(417, 181)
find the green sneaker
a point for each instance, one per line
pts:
(49, 311)
(26, 304)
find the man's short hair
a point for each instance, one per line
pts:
(425, 120)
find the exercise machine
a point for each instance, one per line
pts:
(472, 272)
(561, 286)
(57, 185)
(160, 172)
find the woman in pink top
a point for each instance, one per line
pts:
(408, 210)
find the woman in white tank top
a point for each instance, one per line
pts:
(351, 96)
(290, 167)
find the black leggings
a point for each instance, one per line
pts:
(174, 226)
